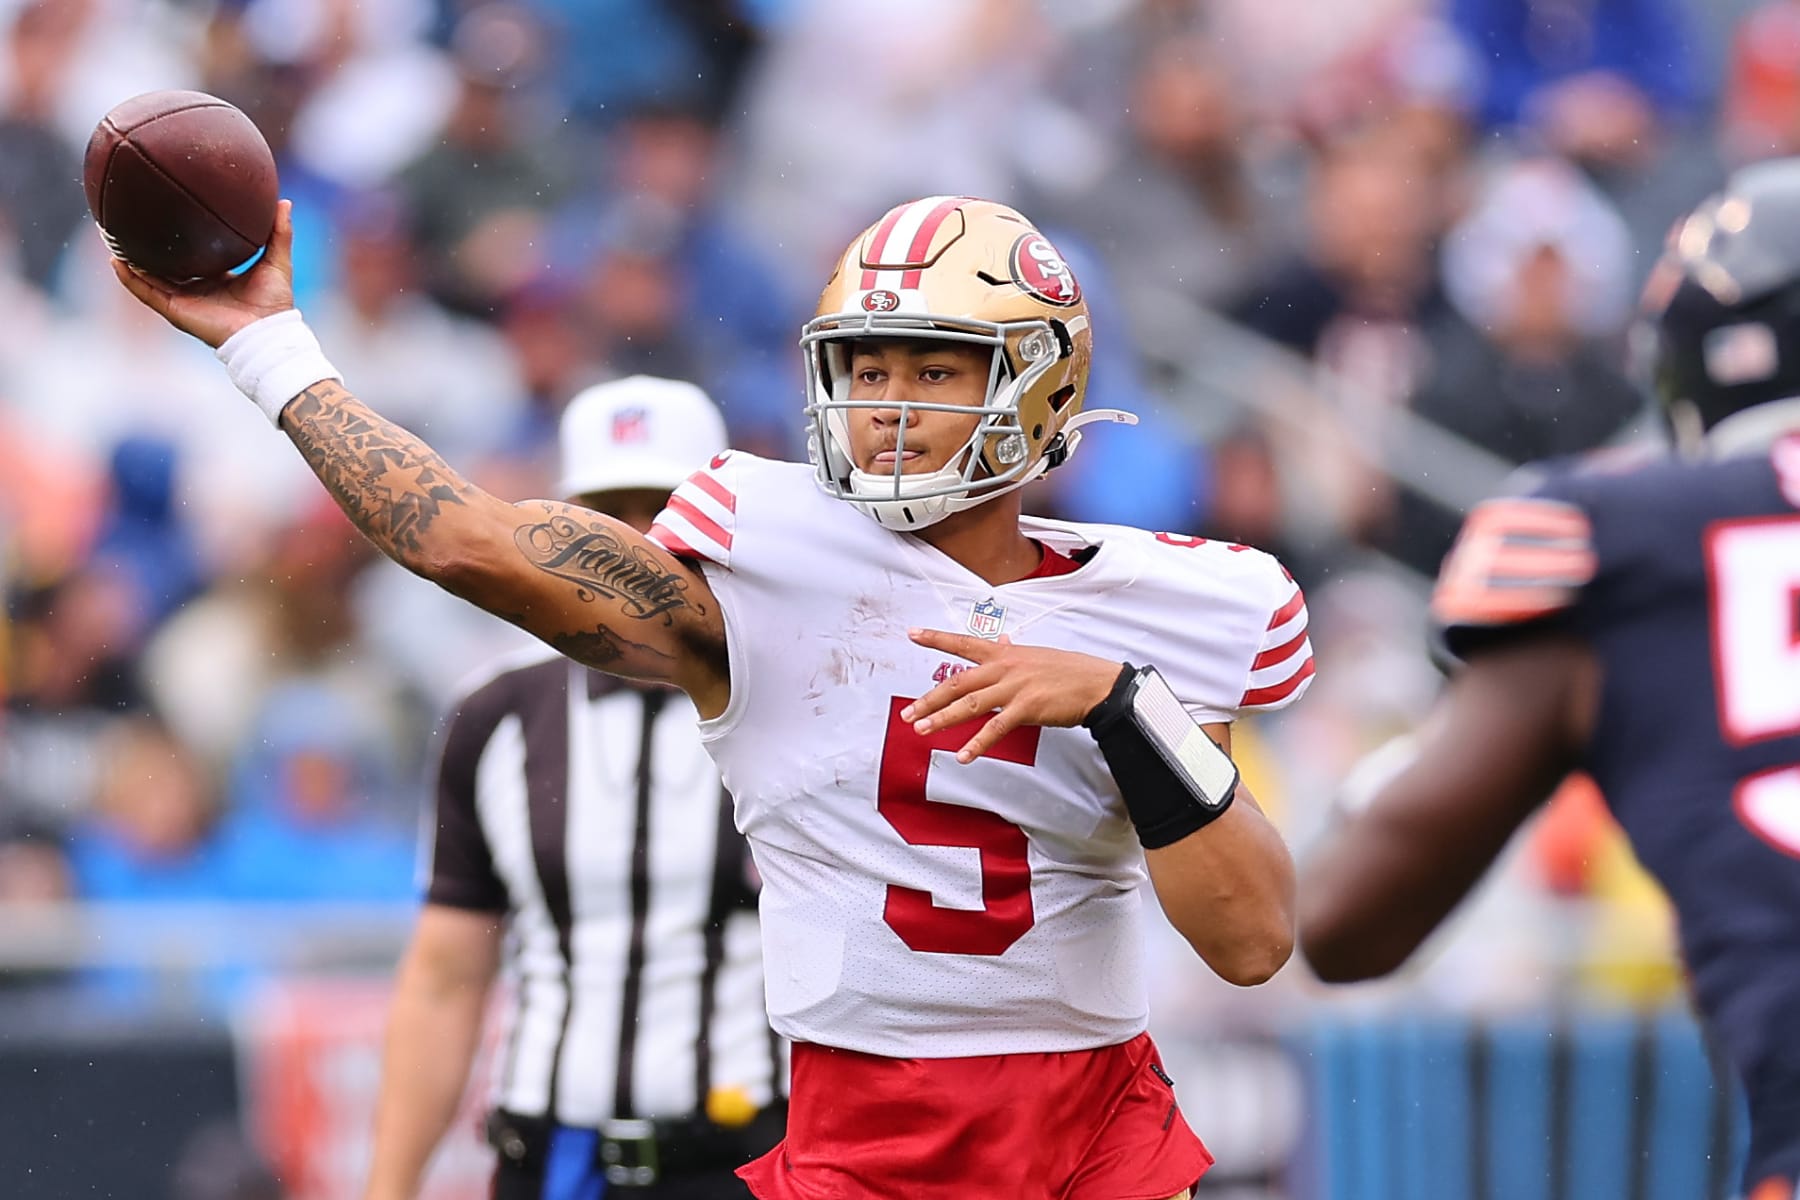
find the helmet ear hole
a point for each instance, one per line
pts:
(1060, 398)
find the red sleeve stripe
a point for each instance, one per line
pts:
(704, 525)
(1281, 653)
(1287, 612)
(665, 537)
(1277, 692)
(715, 489)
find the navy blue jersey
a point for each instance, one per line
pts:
(1684, 578)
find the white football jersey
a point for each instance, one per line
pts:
(913, 906)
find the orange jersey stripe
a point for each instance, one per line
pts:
(1515, 560)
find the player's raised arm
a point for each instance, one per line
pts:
(590, 586)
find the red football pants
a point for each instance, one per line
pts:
(1079, 1125)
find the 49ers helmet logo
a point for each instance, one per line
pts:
(1040, 270)
(880, 301)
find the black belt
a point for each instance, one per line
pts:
(638, 1152)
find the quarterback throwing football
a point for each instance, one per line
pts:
(959, 740)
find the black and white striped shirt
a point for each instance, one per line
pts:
(588, 810)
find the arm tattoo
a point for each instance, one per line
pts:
(392, 485)
(603, 649)
(600, 563)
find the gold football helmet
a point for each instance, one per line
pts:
(963, 270)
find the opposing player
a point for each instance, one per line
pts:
(1643, 625)
(947, 728)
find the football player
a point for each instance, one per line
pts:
(1641, 624)
(959, 740)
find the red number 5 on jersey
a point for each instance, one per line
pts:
(1006, 911)
(1753, 567)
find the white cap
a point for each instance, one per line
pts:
(637, 432)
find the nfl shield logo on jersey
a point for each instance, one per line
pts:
(986, 618)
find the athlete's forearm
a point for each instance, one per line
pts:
(434, 1027)
(396, 489)
(572, 577)
(1228, 888)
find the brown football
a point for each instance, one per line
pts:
(182, 184)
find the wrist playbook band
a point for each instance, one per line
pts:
(274, 359)
(1174, 778)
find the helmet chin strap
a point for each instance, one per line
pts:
(904, 515)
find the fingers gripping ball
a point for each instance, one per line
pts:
(182, 184)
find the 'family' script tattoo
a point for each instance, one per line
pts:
(598, 562)
(390, 483)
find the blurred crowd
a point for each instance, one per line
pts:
(1351, 264)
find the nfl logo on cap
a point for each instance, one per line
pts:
(986, 618)
(631, 425)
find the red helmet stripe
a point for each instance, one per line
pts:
(877, 245)
(921, 242)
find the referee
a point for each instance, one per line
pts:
(582, 838)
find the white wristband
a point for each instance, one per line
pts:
(273, 359)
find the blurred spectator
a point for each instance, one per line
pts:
(1246, 502)
(1618, 87)
(34, 866)
(1364, 272)
(1152, 475)
(71, 680)
(39, 205)
(480, 195)
(1596, 79)
(543, 325)
(141, 534)
(448, 378)
(361, 57)
(1762, 93)
(292, 617)
(670, 288)
(307, 800)
(35, 876)
(1416, 82)
(1207, 206)
(1283, 47)
(50, 502)
(100, 373)
(859, 104)
(152, 833)
(1540, 277)
(614, 57)
(1355, 300)
(81, 57)
(1526, 208)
